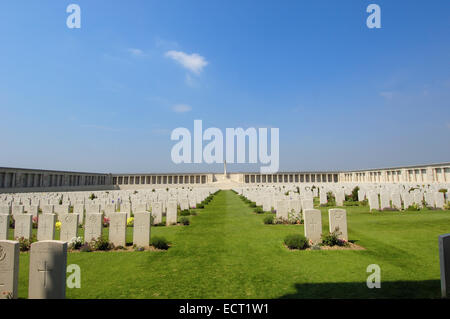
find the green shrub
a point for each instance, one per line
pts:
(331, 200)
(101, 244)
(86, 248)
(185, 212)
(332, 239)
(184, 221)
(269, 220)
(447, 206)
(355, 194)
(252, 204)
(259, 210)
(296, 241)
(200, 206)
(160, 243)
(24, 244)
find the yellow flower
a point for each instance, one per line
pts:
(58, 225)
(130, 221)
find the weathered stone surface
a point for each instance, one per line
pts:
(313, 224)
(307, 203)
(374, 203)
(69, 227)
(46, 227)
(48, 263)
(338, 220)
(141, 229)
(172, 213)
(23, 226)
(5, 209)
(18, 209)
(282, 209)
(93, 226)
(157, 212)
(118, 229)
(9, 269)
(4, 226)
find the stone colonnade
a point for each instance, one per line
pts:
(157, 179)
(291, 178)
(11, 178)
(439, 173)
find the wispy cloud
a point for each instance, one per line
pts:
(191, 81)
(181, 108)
(192, 62)
(136, 52)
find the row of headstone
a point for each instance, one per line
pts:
(93, 227)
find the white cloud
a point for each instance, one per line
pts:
(181, 108)
(136, 52)
(193, 62)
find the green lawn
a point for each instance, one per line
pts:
(227, 252)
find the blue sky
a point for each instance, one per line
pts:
(106, 97)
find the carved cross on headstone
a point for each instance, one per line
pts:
(45, 271)
(313, 225)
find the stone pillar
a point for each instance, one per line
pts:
(48, 263)
(9, 269)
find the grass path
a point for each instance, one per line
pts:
(227, 252)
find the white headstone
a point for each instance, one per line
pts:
(172, 211)
(23, 226)
(118, 229)
(4, 226)
(9, 269)
(69, 227)
(46, 227)
(47, 279)
(338, 220)
(313, 224)
(93, 227)
(282, 209)
(141, 229)
(157, 212)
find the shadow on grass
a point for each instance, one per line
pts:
(358, 290)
